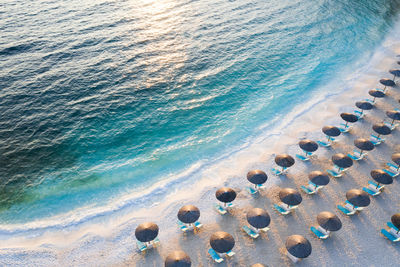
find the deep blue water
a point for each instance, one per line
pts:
(102, 98)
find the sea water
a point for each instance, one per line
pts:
(101, 99)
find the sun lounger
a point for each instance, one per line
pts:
(281, 210)
(371, 192)
(198, 225)
(251, 190)
(356, 155)
(391, 126)
(308, 190)
(141, 246)
(215, 256)
(324, 144)
(221, 210)
(230, 253)
(334, 173)
(344, 128)
(279, 172)
(391, 225)
(376, 140)
(319, 234)
(345, 211)
(302, 157)
(183, 226)
(250, 232)
(359, 114)
(393, 167)
(390, 236)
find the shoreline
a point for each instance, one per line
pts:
(260, 152)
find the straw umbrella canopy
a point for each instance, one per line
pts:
(188, 214)
(381, 129)
(178, 258)
(358, 198)
(396, 220)
(349, 117)
(258, 265)
(319, 178)
(258, 218)
(257, 177)
(298, 246)
(225, 194)
(395, 73)
(284, 160)
(381, 177)
(342, 161)
(308, 145)
(387, 82)
(290, 197)
(396, 159)
(329, 221)
(364, 144)
(331, 131)
(364, 105)
(222, 242)
(146, 232)
(393, 114)
(376, 93)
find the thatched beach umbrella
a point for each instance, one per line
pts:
(178, 258)
(394, 115)
(258, 218)
(319, 178)
(188, 214)
(258, 265)
(342, 161)
(331, 131)
(358, 198)
(396, 159)
(329, 221)
(381, 129)
(257, 177)
(387, 82)
(146, 232)
(298, 246)
(363, 144)
(395, 73)
(225, 195)
(308, 145)
(376, 94)
(348, 117)
(284, 160)
(381, 177)
(364, 105)
(396, 220)
(290, 197)
(222, 242)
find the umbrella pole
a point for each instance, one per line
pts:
(394, 77)
(362, 111)
(361, 151)
(384, 89)
(398, 167)
(283, 168)
(379, 136)
(392, 122)
(373, 100)
(377, 185)
(329, 139)
(346, 124)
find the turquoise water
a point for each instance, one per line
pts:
(99, 99)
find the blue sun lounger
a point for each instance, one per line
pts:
(250, 232)
(390, 125)
(345, 211)
(356, 155)
(393, 167)
(375, 185)
(344, 128)
(143, 247)
(376, 140)
(198, 225)
(391, 225)
(281, 210)
(304, 157)
(359, 114)
(279, 172)
(335, 173)
(318, 233)
(307, 190)
(214, 255)
(183, 227)
(390, 236)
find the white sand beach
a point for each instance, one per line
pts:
(111, 242)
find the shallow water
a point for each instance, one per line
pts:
(99, 99)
